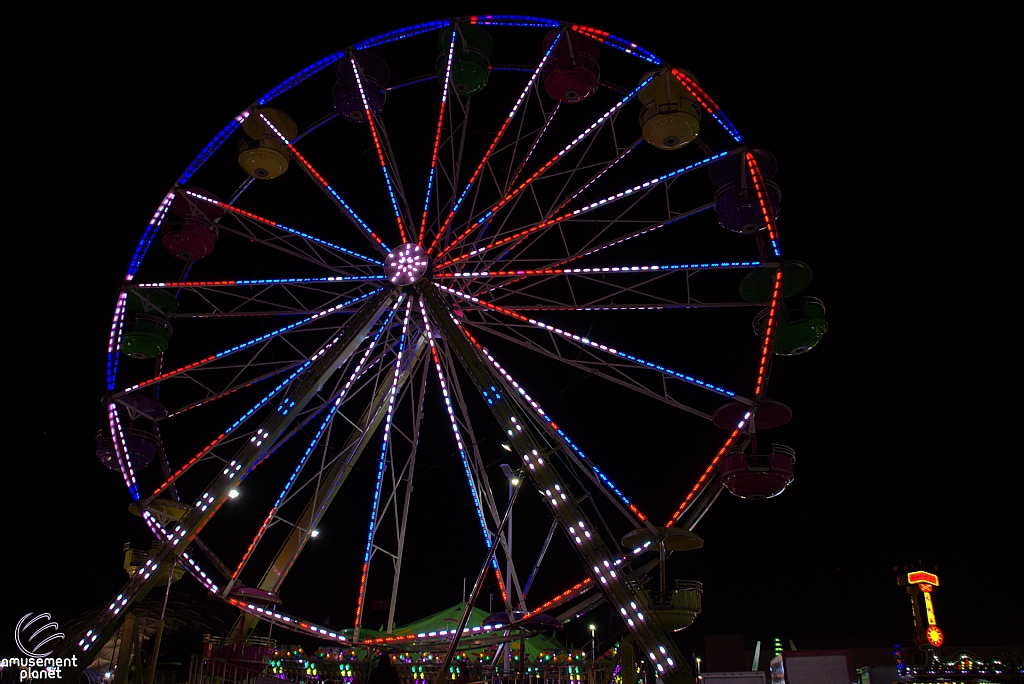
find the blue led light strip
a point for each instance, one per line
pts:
(380, 150)
(461, 447)
(561, 433)
(210, 148)
(590, 343)
(256, 340)
(400, 34)
(326, 186)
(275, 224)
(284, 408)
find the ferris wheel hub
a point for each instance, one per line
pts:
(406, 264)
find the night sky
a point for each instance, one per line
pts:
(904, 416)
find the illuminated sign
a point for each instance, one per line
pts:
(929, 611)
(934, 635)
(922, 577)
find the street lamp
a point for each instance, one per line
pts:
(698, 669)
(593, 643)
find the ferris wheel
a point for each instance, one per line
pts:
(378, 262)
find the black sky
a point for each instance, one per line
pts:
(895, 143)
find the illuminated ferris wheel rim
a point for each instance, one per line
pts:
(444, 263)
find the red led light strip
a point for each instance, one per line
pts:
(380, 150)
(570, 593)
(437, 137)
(260, 219)
(762, 196)
(761, 374)
(487, 155)
(698, 94)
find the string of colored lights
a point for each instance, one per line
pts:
(246, 345)
(590, 343)
(331, 191)
(437, 136)
(767, 211)
(382, 462)
(335, 404)
(707, 103)
(654, 182)
(380, 150)
(280, 226)
(562, 436)
(477, 504)
(705, 266)
(490, 150)
(759, 389)
(547, 165)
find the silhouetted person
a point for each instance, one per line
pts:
(384, 673)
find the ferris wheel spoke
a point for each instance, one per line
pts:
(490, 150)
(329, 191)
(298, 243)
(334, 403)
(437, 138)
(621, 374)
(472, 474)
(381, 463)
(656, 287)
(583, 342)
(381, 145)
(480, 471)
(486, 216)
(339, 308)
(287, 296)
(548, 119)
